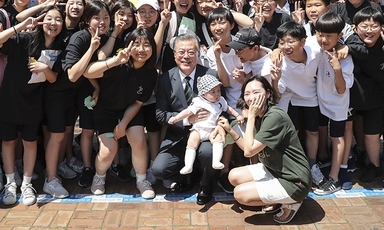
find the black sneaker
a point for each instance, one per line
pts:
(361, 157)
(324, 163)
(351, 164)
(119, 172)
(86, 178)
(327, 187)
(370, 173)
(224, 184)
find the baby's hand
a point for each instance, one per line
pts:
(172, 120)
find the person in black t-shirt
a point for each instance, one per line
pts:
(21, 95)
(126, 82)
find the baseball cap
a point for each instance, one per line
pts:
(245, 37)
(153, 3)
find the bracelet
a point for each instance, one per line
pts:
(106, 64)
(237, 138)
(112, 37)
(14, 29)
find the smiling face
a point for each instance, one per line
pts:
(125, 15)
(328, 41)
(147, 14)
(186, 55)
(74, 9)
(54, 23)
(267, 8)
(100, 21)
(141, 51)
(254, 89)
(213, 95)
(369, 31)
(315, 9)
(221, 29)
(290, 46)
(203, 7)
(183, 6)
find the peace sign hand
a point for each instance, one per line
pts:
(95, 40)
(276, 69)
(31, 22)
(140, 23)
(123, 56)
(259, 17)
(166, 14)
(333, 59)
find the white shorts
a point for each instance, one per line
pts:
(269, 188)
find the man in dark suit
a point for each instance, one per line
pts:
(170, 100)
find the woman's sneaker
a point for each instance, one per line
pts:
(55, 188)
(98, 185)
(86, 178)
(119, 172)
(344, 179)
(317, 175)
(145, 189)
(28, 194)
(328, 186)
(9, 196)
(76, 165)
(65, 172)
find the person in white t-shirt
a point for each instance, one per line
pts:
(209, 98)
(255, 58)
(297, 85)
(334, 78)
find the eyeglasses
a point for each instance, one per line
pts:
(182, 53)
(373, 28)
(261, 2)
(144, 13)
(288, 43)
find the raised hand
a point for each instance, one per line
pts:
(298, 14)
(123, 56)
(257, 106)
(119, 25)
(276, 69)
(95, 39)
(216, 46)
(31, 22)
(166, 15)
(333, 59)
(259, 17)
(140, 23)
(239, 75)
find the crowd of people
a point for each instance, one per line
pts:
(186, 82)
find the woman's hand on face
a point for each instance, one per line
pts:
(119, 25)
(201, 115)
(257, 106)
(223, 122)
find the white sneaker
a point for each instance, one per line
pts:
(9, 197)
(55, 189)
(18, 178)
(76, 165)
(98, 185)
(1, 179)
(65, 172)
(28, 194)
(145, 189)
(317, 175)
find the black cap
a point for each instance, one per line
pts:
(245, 37)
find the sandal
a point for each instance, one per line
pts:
(270, 208)
(292, 208)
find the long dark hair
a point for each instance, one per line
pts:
(121, 4)
(38, 39)
(145, 34)
(270, 101)
(91, 9)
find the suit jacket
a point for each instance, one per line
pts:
(170, 100)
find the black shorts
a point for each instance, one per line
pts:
(149, 113)
(372, 121)
(9, 132)
(336, 128)
(105, 120)
(57, 119)
(85, 114)
(310, 115)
